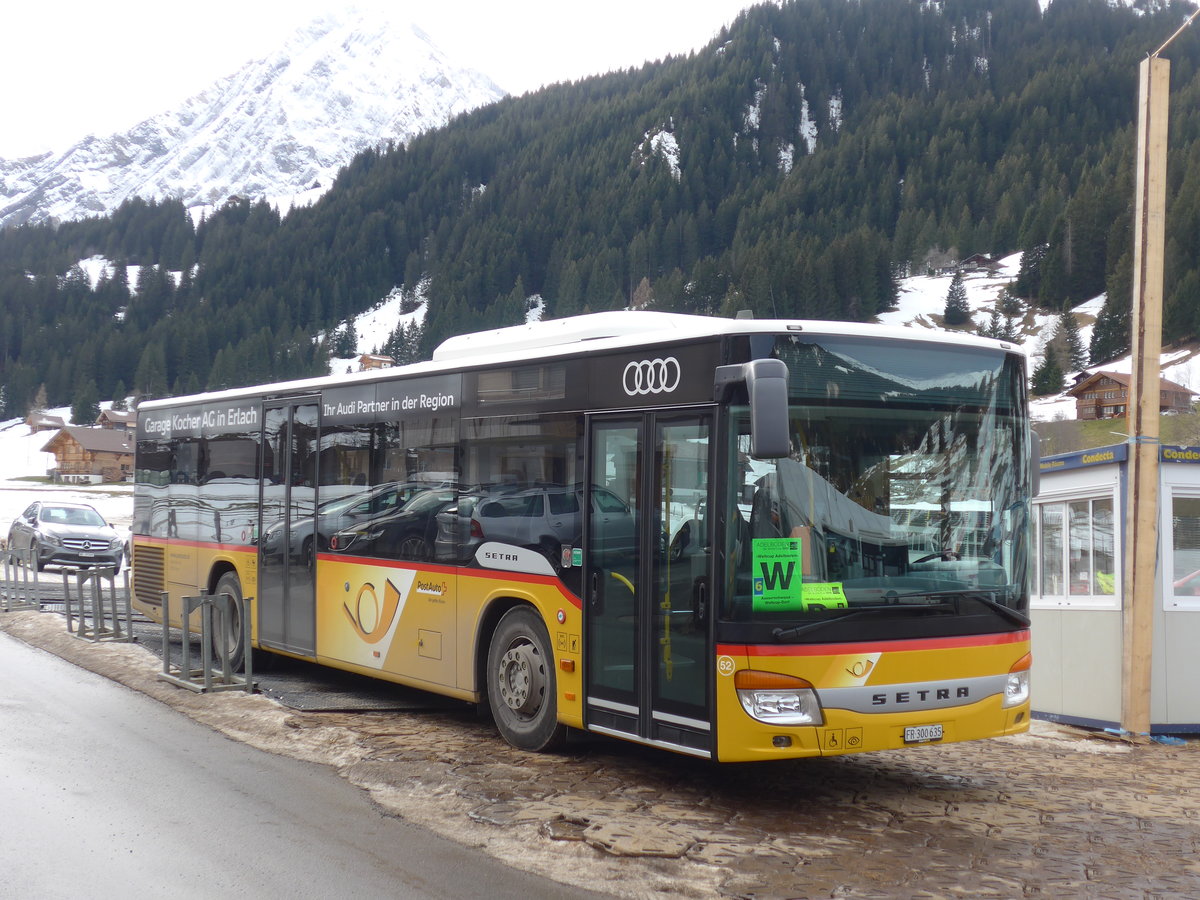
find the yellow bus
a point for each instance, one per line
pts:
(693, 533)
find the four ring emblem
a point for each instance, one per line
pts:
(651, 376)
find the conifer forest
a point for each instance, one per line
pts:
(800, 164)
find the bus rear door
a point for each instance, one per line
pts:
(286, 544)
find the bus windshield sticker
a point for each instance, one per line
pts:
(778, 583)
(825, 595)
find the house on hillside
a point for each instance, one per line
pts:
(91, 455)
(375, 361)
(40, 421)
(979, 262)
(1105, 395)
(115, 420)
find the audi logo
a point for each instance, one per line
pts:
(651, 376)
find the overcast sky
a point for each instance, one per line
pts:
(69, 68)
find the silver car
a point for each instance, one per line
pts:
(66, 534)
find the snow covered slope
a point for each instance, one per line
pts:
(276, 128)
(922, 300)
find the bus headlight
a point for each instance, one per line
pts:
(1016, 688)
(778, 699)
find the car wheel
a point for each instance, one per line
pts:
(414, 548)
(521, 685)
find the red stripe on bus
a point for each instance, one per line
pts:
(198, 545)
(946, 643)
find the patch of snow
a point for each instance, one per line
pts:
(808, 128)
(835, 112)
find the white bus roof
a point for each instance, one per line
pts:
(614, 330)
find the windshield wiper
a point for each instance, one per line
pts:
(982, 596)
(939, 604)
(782, 634)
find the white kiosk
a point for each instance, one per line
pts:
(1076, 602)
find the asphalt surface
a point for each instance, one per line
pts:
(114, 795)
(1056, 813)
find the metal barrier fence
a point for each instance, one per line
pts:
(202, 680)
(21, 588)
(94, 580)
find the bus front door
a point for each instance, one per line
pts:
(286, 547)
(649, 579)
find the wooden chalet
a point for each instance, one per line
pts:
(979, 262)
(1105, 395)
(40, 421)
(91, 454)
(375, 361)
(115, 420)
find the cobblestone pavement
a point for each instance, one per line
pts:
(1056, 813)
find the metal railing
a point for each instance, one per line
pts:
(89, 585)
(21, 588)
(203, 680)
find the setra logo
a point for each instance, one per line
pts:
(651, 376)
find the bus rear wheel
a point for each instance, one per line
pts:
(522, 690)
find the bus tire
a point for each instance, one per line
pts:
(228, 632)
(521, 685)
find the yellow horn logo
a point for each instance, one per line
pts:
(367, 618)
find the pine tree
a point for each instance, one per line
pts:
(957, 311)
(40, 403)
(1010, 307)
(120, 397)
(86, 408)
(1068, 326)
(1048, 375)
(993, 328)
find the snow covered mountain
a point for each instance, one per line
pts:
(277, 128)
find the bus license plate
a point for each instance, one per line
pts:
(920, 734)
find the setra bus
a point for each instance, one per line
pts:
(735, 539)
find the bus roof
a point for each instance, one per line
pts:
(593, 332)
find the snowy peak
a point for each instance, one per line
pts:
(276, 128)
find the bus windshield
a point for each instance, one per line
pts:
(901, 510)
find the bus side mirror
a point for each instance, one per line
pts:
(766, 382)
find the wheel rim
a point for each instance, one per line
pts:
(412, 548)
(522, 679)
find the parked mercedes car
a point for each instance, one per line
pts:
(66, 534)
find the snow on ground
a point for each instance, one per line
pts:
(376, 325)
(21, 457)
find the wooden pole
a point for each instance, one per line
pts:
(1141, 548)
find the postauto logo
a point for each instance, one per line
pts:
(651, 376)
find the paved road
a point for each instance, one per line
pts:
(106, 793)
(1053, 814)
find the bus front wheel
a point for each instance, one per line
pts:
(521, 684)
